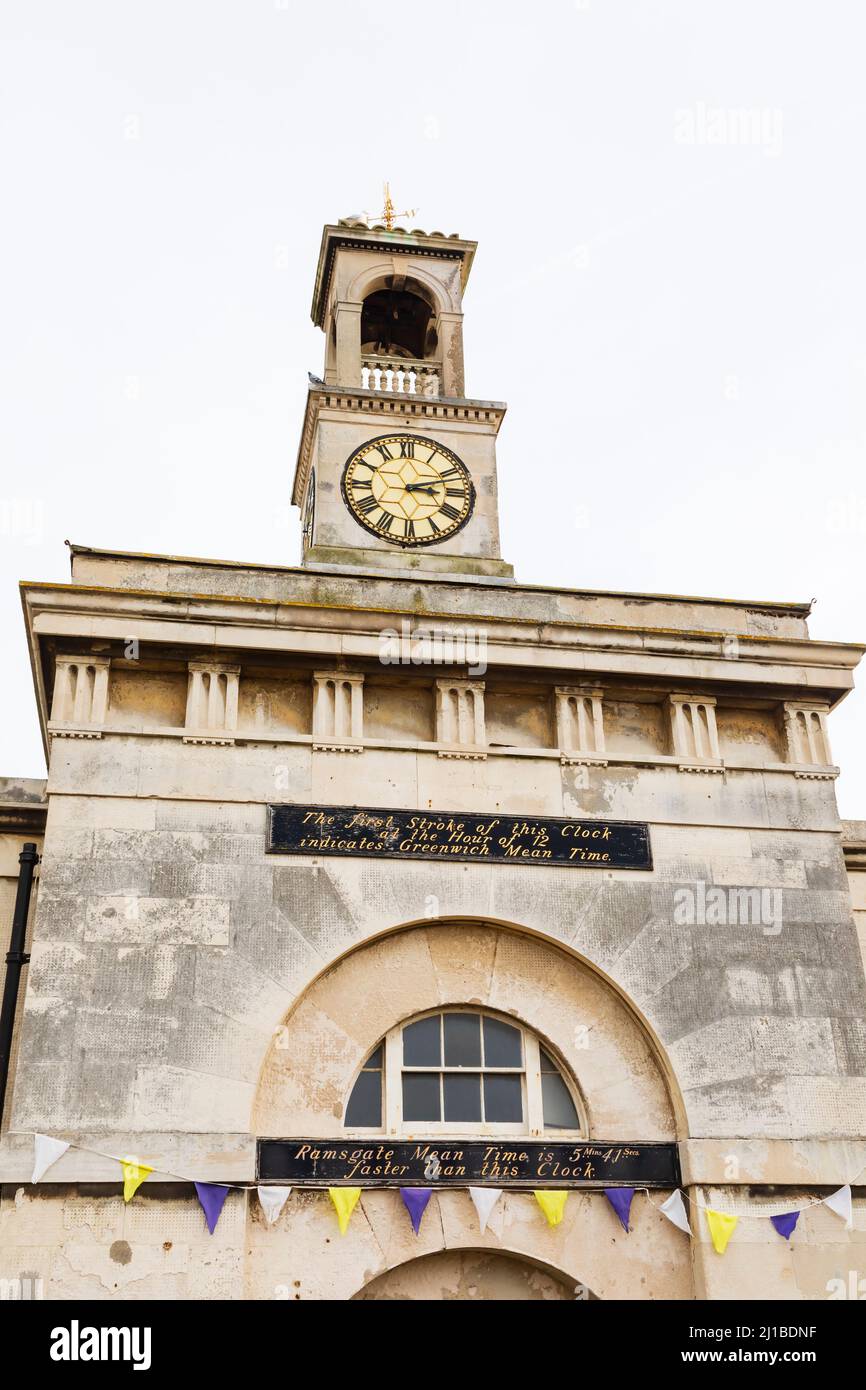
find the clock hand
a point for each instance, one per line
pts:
(421, 487)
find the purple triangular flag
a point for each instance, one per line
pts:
(415, 1200)
(620, 1200)
(785, 1223)
(212, 1196)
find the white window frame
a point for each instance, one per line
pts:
(533, 1124)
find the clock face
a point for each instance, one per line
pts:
(408, 489)
(309, 521)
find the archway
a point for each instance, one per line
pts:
(588, 1024)
(396, 322)
(316, 1054)
(471, 1275)
(389, 275)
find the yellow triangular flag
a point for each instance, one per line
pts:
(553, 1205)
(134, 1175)
(345, 1200)
(721, 1228)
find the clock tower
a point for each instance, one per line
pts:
(396, 467)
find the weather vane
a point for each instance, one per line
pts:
(388, 215)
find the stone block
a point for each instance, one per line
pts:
(154, 921)
(171, 1097)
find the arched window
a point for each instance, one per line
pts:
(462, 1071)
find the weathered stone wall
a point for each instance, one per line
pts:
(188, 991)
(854, 846)
(169, 945)
(22, 821)
(85, 1242)
(88, 1243)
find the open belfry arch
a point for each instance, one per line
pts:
(387, 850)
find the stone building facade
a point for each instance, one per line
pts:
(193, 990)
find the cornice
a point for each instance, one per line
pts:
(21, 818)
(397, 241)
(202, 606)
(768, 668)
(769, 606)
(73, 597)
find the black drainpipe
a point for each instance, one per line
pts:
(16, 959)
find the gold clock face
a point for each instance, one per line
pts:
(408, 489)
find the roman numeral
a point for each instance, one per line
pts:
(367, 505)
(385, 522)
(407, 448)
(451, 512)
(451, 491)
(450, 473)
(433, 527)
(409, 531)
(385, 452)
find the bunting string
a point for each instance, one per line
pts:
(272, 1198)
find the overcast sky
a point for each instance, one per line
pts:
(669, 290)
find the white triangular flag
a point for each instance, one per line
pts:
(273, 1199)
(484, 1200)
(675, 1211)
(46, 1152)
(840, 1203)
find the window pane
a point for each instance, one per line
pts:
(559, 1111)
(462, 1040)
(503, 1101)
(547, 1062)
(421, 1095)
(374, 1061)
(364, 1110)
(501, 1044)
(462, 1097)
(421, 1045)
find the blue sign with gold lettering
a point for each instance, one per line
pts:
(377, 833)
(457, 1162)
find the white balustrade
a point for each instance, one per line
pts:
(399, 375)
